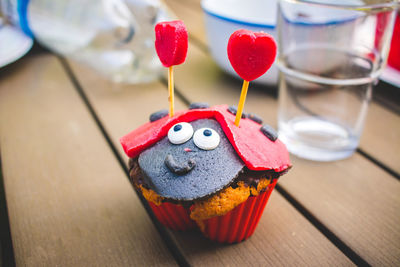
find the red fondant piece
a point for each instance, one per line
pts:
(252, 146)
(171, 42)
(251, 53)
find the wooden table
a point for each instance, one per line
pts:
(69, 201)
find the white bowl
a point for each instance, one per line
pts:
(223, 17)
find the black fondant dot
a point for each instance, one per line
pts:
(269, 132)
(255, 118)
(207, 132)
(177, 127)
(199, 105)
(158, 115)
(233, 110)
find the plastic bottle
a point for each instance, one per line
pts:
(115, 37)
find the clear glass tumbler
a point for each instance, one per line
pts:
(331, 53)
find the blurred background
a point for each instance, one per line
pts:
(115, 40)
(115, 37)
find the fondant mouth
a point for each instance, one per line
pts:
(181, 167)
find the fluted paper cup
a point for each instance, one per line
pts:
(240, 223)
(173, 216)
(235, 226)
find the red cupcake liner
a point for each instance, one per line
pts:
(240, 223)
(173, 216)
(235, 226)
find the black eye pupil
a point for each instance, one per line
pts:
(177, 127)
(207, 132)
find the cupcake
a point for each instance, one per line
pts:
(211, 168)
(198, 169)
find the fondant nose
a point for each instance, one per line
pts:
(179, 168)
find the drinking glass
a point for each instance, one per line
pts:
(331, 52)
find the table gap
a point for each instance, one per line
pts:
(378, 163)
(171, 245)
(7, 252)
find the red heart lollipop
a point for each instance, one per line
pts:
(251, 53)
(171, 42)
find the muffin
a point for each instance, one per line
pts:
(198, 170)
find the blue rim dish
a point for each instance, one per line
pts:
(253, 24)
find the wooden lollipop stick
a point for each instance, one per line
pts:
(171, 90)
(241, 102)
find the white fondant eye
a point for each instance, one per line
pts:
(206, 138)
(180, 133)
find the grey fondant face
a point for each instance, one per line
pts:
(186, 172)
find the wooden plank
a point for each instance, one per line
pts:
(380, 137)
(359, 202)
(69, 201)
(283, 237)
(382, 128)
(201, 80)
(192, 15)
